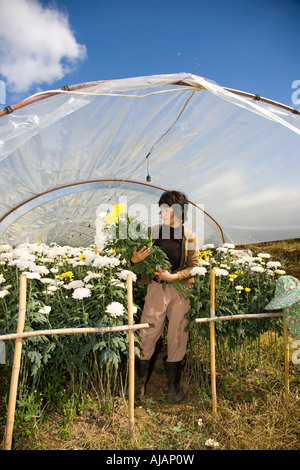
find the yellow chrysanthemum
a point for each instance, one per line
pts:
(115, 212)
(68, 274)
(247, 289)
(233, 276)
(203, 255)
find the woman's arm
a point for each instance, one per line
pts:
(191, 261)
(166, 276)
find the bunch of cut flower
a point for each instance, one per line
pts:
(118, 232)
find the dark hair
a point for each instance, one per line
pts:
(178, 200)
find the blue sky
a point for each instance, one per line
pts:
(251, 45)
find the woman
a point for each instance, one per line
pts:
(181, 248)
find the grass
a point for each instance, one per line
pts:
(254, 413)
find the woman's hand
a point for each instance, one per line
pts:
(166, 276)
(140, 255)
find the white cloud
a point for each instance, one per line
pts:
(37, 44)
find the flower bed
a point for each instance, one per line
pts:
(244, 285)
(66, 287)
(75, 287)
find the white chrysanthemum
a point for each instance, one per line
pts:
(239, 288)
(257, 269)
(78, 263)
(123, 275)
(118, 283)
(200, 270)
(32, 275)
(105, 261)
(57, 251)
(101, 217)
(74, 285)
(221, 272)
(47, 280)
(22, 264)
(273, 264)
(204, 262)
(89, 260)
(91, 275)
(2, 279)
(46, 260)
(81, 293)
(5, 248)
(52, 288)
(6, 256)
(45, 309)
(229, 245)
(3, 293)
(42, 270)
(100, 241)
(209, 246)
(23, 253)
(222, 249)
(264, 255)
(100, 225)
(115, 309)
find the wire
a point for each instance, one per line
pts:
(146, 159)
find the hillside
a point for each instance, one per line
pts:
(285, 251)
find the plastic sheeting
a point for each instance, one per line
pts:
(236, 159)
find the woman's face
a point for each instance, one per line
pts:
(167, 215)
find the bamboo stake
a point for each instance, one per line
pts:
(131, 354)
(286, 357)
(212, 342)
(69, 331)
(212, 320)
(18, 350)
(237, 317)
(16, 366)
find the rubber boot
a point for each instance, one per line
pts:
(173, 373)
(143, 371)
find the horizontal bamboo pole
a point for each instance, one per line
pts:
(237, 317)
(69, 331)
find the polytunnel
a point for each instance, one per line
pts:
(64, 153)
